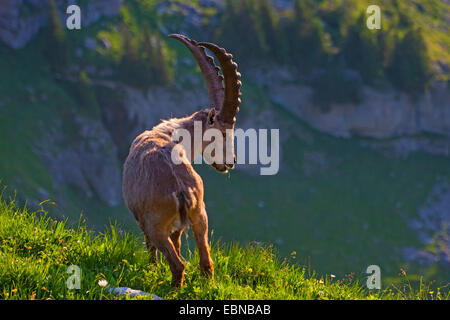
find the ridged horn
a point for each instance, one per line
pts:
(233, 85)
(214, 81)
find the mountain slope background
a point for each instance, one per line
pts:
(364, 174)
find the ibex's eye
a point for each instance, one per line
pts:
(211, 116)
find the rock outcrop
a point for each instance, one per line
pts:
(88, 162)
(21, 20)
(382, 114)
(432, 225)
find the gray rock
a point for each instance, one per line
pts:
(131, 292)
(382, 114)
(90, 44)
(89, 162)
(432, 225)
(418, 255)
(21, 20)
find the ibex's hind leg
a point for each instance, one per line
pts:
(199, 221)
(163, 243)
(176, 239)
(152, 251)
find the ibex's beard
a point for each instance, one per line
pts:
(220, 167)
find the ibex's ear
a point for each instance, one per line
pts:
(212, 116)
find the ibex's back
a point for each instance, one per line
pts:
(165, 196)
(151, 179)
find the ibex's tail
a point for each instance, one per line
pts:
(183, 207)
(185, 202)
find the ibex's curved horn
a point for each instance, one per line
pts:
(210, 71)
(232, 83)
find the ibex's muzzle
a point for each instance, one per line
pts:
(223, 168)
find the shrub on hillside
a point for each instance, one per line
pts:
(409, 69)
(362, 51)
(56, 47)
(144, 60)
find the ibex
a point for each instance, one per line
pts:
(164, 196)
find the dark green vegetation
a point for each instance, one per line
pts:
(339, 206)
(36, 251)
(330, 36)
(321, 39)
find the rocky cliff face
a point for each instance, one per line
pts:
(432, 225)
(382, 114)
(21, 20)
(88, 162)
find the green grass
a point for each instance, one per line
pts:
(35, 252)
(339, 218)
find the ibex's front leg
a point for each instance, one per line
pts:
(199, 221)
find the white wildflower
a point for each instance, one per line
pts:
(102, 283)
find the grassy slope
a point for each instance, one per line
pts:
(35, 252)
(321, 215)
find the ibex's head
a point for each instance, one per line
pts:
(223, 100)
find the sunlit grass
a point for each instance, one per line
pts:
(35, 252)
